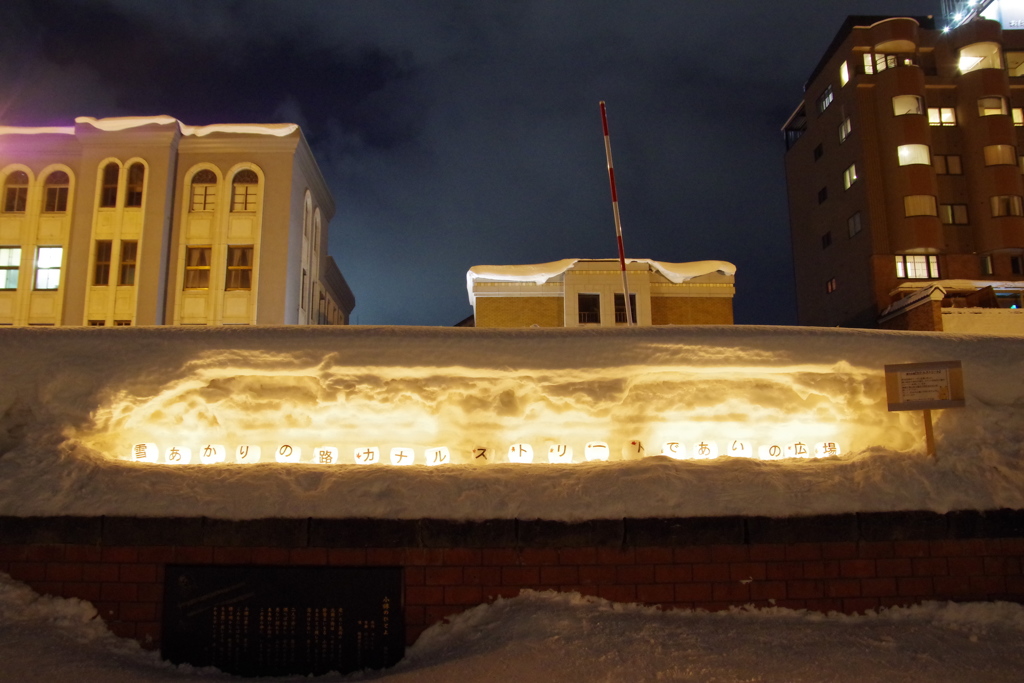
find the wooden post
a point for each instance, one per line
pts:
(929, 433)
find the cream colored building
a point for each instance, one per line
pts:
(148, 221)
(588, 292)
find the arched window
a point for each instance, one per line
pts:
(55, 197)
(204, 190)
(136, 178)
(243, 191)
(16, 192)
(108, 193)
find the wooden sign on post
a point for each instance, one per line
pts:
(926, 387)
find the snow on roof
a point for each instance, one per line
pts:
(41, 130)
(539, 273)
(127, 122)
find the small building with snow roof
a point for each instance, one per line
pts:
(584, 292)
(148, 221)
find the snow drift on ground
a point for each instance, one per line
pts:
(565, 637)
(74, 400)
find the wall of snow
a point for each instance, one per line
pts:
(73, 401)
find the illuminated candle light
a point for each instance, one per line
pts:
(325, 455)
(145, 452)
(772, 452)
(403, 456)
(705, 450)
(366, 455)
(826, 449)
(741, 449)
(559, 453)
(289, 453)
(596, 450)
(178, 455)
(674, 449)
(520, 452)
(797, 450)
(247, 454)
(212, 453)
(438, 456)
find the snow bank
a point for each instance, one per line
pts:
(73, 401)
(118, 123)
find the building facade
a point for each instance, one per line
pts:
(904, 176)
(588, 292)
(147, 221)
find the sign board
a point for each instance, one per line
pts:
(274, 621)
(925, 386)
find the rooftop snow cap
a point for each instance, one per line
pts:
(539, 273)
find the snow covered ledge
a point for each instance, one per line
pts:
(75, 400)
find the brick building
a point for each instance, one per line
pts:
(588, 292)
(904, 178)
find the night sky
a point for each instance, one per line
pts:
(456, 133)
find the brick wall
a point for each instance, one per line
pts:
(926, 317)
(671, 310)
(508, 311)
(847, 563)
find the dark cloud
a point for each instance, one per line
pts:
(457, 133)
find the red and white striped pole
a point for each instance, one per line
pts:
(615, 211)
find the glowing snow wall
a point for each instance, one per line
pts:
(476, 392)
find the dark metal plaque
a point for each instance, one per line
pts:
(274, 621)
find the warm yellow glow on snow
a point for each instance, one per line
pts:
(326, 413)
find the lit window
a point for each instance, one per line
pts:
(906, 104)
(239, 273)
(919, 205)
(941, 116)
(136, 180)
(101, 268)
(986, 265)
(953, 214)
(108, 189)
(830, 286)
(48, 262)
(126, 268)
(1020, 163)
(243, 191)
(1007, 205)
(845, 128)
(980, 56)
(991, 106)
(620, 308)
(1018, 116)
(850, 176)
(16, 192)
(914, 154)
(197, 268)
(947, 164)
(1000, 155)
(589, 308)
(825, 99)
(10, 263)
(55, 194)
(204, 190)
(853, 225)
(917, 267)
(844, 73)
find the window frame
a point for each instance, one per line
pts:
(101, 260)
(16, 192)
(55, 192)
(243, 271)
(985, 107)
(135, 186)
(909, 199)
(914, 154)
(937, 116)
(581, 313)
(127, 263)
(849, 176)
(192, 271)
(1006, 205)
(47, 278)
(920, 110)
(202, 195)
(109, 180)
(953, 214)
(912, 263)
(620, 307)
(1000, 155)
(249, 192)
(10, 263)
